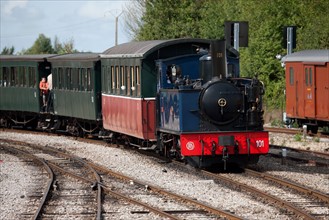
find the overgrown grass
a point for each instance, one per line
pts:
(298, 137)
(277, 123)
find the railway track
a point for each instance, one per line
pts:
(292, 207)
(320, 159)
(62, 162)
(289, 206)
(294, 131)
(38, 200)
(64, 196)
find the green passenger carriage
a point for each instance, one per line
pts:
(76, 91)
(19, 87)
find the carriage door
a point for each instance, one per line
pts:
(309, 91)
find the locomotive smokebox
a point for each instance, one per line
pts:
(214, 64)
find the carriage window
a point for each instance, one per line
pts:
(138, 81)
(32, 79)
(306, 76)
(104, 79)
(60, 78)
(75, 77)
(55, 83)
(117, 77)
(19, 76)
(84, 78)
(24, 83)
(1, 77)
(123, 81)
(133, 81)
(113, 79)
(128, 80)
(69, 78)
(90, 82)
(5, 79)
(109, 79)
(12, 76)
(5, 72)
(79, 79)
(291, 76)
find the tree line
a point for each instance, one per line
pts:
(43, 45)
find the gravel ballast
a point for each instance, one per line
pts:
(145, 169)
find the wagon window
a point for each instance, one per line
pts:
(311, 76)
(291, 76)
(306, 76)
(138, 81)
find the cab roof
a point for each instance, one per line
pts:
(158, 48)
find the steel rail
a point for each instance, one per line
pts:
(54, 166)
(167, 193)
(116, 194)
(154, 188)
(245, 187)
(308, 161)
(317, 153)
(99, 188)
(49, 184)
(319, 195)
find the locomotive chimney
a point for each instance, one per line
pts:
(218, 56)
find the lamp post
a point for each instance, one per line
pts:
(116, 25)
(116, 28)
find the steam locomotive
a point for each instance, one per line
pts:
(183, 98)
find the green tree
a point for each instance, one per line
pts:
(62, 48)
(164, 19)
(41, 46)
(8, 51)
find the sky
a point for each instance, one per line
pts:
(90, 24)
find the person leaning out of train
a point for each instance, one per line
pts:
(43, 85)
(50, 94)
